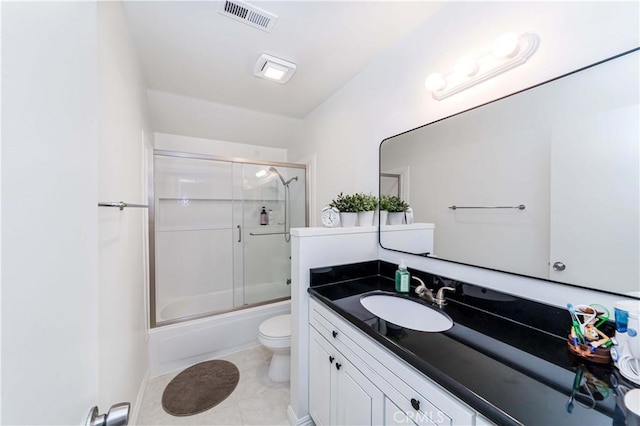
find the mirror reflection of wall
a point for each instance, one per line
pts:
(390, 184)
(567, 150)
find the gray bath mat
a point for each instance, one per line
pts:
(200, 387)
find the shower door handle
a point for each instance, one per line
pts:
(239, 234)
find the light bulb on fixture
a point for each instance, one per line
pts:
(274, 71)
(508, 51)
(466, 66)
(506, 45)
(435, 82)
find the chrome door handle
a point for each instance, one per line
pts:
(559, 266)
(239, 234)
(118, 415)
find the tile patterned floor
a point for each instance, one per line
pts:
(255, 401)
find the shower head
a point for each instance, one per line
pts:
(290, 180)
(285, 183)
(274, 170)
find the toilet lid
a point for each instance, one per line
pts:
(279, 326)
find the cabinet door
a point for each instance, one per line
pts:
(321, 379)
(359, 401)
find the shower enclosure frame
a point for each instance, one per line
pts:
(153, 323)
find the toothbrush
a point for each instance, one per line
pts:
(574, 339)
(576, 323)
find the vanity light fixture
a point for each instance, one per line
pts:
(508, 51)
(274, 69)
(466, 66)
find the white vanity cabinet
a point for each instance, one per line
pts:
(339, 393)
(372, 386)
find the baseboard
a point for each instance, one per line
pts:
(135, 413)
(295, 421)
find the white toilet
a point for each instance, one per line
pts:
(275, 335)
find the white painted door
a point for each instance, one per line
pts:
(595, 197)
(50, 295)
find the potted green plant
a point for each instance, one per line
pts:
(383, 207)
(348, 208)
(396, 208)
(366, 205)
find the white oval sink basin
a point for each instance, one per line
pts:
(406, 313)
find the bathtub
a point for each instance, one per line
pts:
(221, 300)
(177, 346)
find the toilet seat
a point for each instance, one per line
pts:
(276, 332)
(276, 328)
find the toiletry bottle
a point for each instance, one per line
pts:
(264, 218)
(271, 222)
(402, 278)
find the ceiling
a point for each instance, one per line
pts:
(188, 48)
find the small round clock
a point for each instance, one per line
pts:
(330, 217)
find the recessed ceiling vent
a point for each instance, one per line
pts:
(248, 14)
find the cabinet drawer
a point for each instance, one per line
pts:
(396, 416)
(416, 407)
(327, 329)
(458, 412)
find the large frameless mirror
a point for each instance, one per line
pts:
(543, 183)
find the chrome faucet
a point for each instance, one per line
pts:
(427, 294)
(440, 300)
(422, 290)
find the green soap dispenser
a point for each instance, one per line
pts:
(402, 278)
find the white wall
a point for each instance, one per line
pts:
(389, 97)
(181, 115)
(49, 212)
(218, 148)
(124, 131)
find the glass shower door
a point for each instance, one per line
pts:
(211, 251)
(193, 237)
(280, 192)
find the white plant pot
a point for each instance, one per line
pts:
(383, 217)
(348, 219)
(365, 218)
(396, 218)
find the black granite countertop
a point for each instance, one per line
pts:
(511, 371)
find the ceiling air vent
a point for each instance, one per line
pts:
(248, 14)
